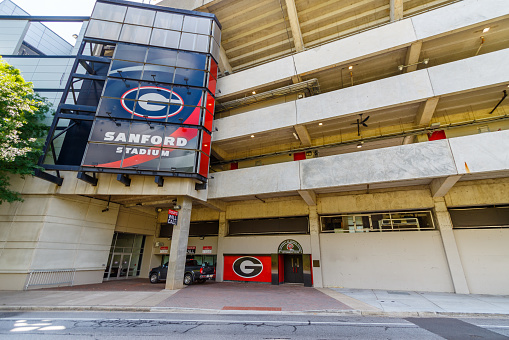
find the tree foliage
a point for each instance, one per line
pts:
(22, 112)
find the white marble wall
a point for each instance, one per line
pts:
(484, 153)
(398, 163)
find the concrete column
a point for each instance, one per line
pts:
(223, 231)
(396, 10)
(314, 231)
(444, 222)
(178, 250)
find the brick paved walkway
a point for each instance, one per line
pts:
(252, 296)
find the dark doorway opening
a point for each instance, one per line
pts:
(293, 269)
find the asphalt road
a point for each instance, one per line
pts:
(121, 325)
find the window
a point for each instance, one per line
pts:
(480, 217)
(109, 12)
(165, 38)
(169, 21)
(196, 25)
(377, 222)
(268, 226)
(135, 34)
(103, 30)
(194, 42)
(139, 16)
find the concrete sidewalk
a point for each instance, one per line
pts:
(231, 297)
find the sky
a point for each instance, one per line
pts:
(63, 7)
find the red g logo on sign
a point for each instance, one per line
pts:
(289, 246)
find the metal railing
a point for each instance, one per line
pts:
(54, 277)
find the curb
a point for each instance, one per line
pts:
(252, 312)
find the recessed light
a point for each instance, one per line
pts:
(254, 92)
(350, 67)
(359, 145)
(252, 136)
(486, 30)
(320, 124)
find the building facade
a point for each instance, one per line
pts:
(356, 145)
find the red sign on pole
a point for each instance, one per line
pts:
(173, 217)
(207, 250)
(163, 250)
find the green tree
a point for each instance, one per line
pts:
(22, 112)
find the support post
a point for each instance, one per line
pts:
(220, 240)
(316, 262)
(178, 249)
(444, 222)
(396, 10)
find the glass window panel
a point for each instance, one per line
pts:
(125, 69)
(181, 137)
(214, 49)
(135, 34)
(130, 52)
(162, 56)
(216, 32)
(184, 76)
(141, 158)
(120, 88)
(170, 21)
(115, 108)
(106, 130)
(185, 115)
(205, 142)
(192, 60)
(151, 109)
(165, 38)
(103, 155)
(208, 121)
(210, 103)
(194, 42)
(158, 73)
(140, 16)
(197, 25)
(212, 84)
(142, 133)
(103, 30)
(109, 12)
(178, 160)
(204, 165)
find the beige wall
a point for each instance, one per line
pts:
(484, 254)
(55, 232)
(392, 260)
(262, 244)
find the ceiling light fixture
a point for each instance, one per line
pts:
(295, 135)
(254, 92)
(486, 30)
(359, 145)
(424, 61)
(320, 124)
(350, 67)
(252, 136)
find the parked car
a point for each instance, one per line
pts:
(193, 272)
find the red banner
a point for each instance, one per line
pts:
(247, 268)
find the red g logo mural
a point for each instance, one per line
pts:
(247, 267)
(255, 268)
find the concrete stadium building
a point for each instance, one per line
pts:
(356, 144)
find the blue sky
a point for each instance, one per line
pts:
(62, 7)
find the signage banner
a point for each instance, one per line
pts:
(247, 268)
(290, 247)
(163, 250)
(207, 250)
(191, 250)
(173, 216)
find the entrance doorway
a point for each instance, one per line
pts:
(125, 256)
(119, 265)
(293, 269)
